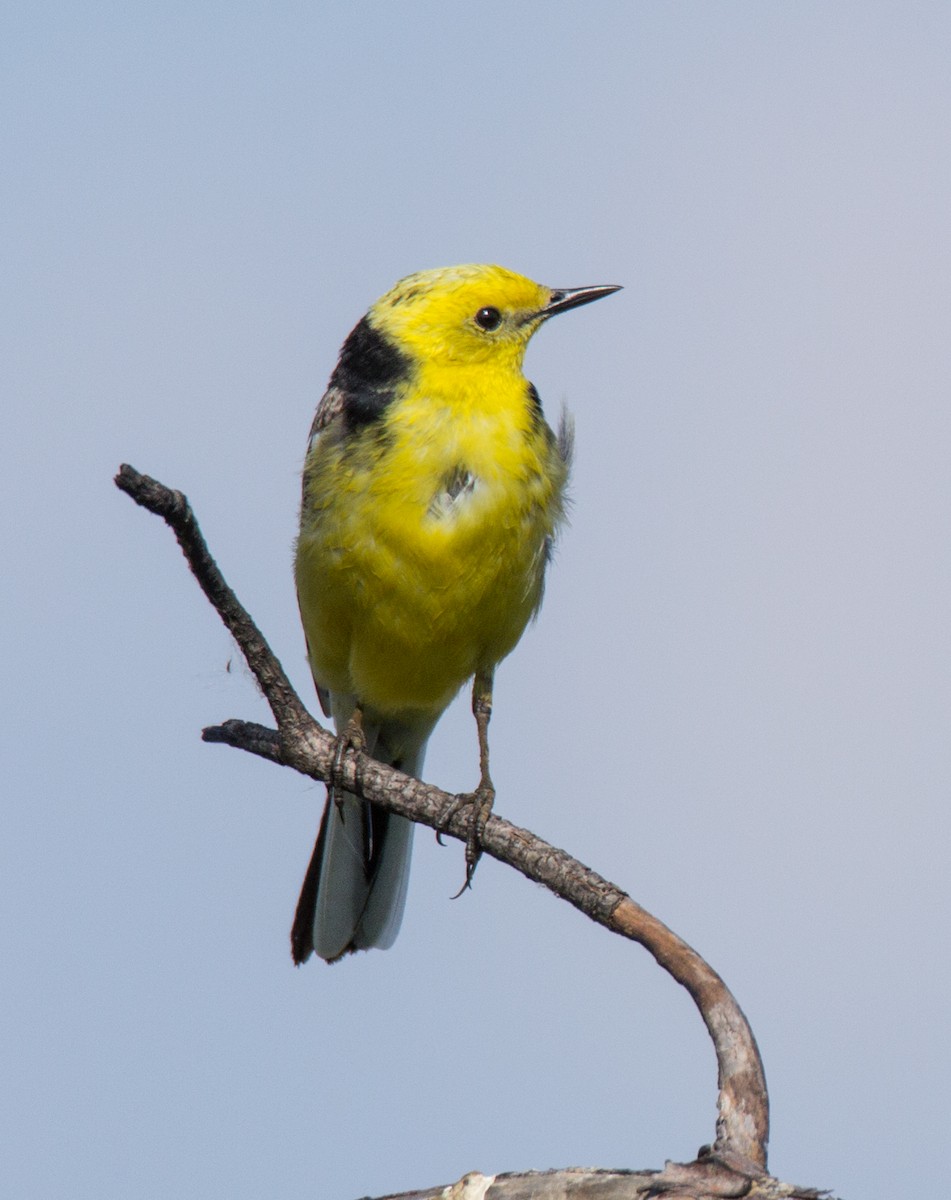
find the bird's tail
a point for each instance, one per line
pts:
(354, 891)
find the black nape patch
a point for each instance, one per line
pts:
(367, 373)
(368, 357)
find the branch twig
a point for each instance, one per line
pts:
(174, 509)
(299, 742)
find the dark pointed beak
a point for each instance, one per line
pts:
(562, 299)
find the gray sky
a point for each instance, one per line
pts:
(747, 622)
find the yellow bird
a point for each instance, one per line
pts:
(432, 490)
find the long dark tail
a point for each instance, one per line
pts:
(354, 891)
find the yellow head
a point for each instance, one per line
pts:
(471, 313)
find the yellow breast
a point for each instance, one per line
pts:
(424, 539)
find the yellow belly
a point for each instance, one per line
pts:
(404, 598)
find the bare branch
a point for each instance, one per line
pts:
(738, 1156)
(743, 1124)
(174, 509)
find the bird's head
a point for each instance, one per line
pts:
(471, 313)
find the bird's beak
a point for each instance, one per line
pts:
(562, 299)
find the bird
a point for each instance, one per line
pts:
(432, 491)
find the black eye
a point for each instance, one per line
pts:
(488, 318)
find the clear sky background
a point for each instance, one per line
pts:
(746, 638)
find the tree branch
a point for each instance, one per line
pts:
(739, 1151)
(174, 509)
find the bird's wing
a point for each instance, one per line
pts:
(329, 411)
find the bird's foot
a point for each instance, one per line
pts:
(352, 738)
(480, 804)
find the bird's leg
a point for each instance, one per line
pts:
(352, 738)
(482, 799)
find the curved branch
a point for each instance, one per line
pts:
(299, 742)
(743, 1121)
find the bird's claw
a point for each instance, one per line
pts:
(480, 804)
(352, 738)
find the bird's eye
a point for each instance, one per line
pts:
(488, 318)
